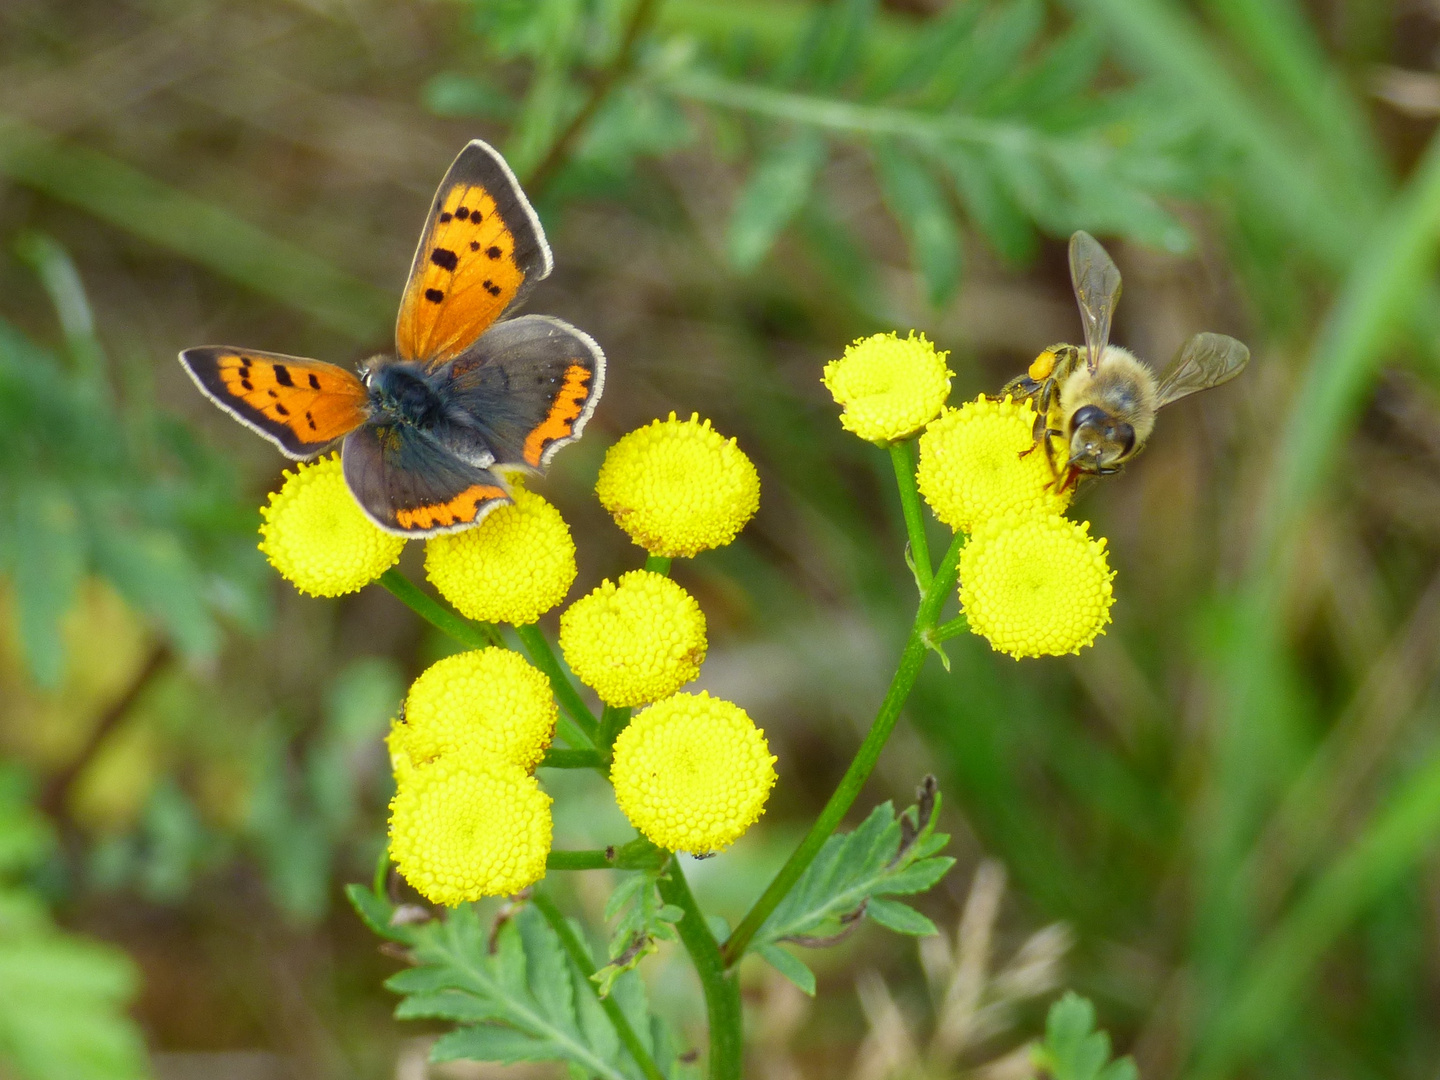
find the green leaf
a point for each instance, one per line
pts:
(775, 192)
(49, 563)
(899, 917)
(1074, 1050)
(520, 1000)
(920, 205)
(886, 855)
(789, 965)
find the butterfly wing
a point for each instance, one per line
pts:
(523, 390)
(408, 484)
(482, 249)
(300, 405)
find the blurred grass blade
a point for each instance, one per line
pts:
(920, 205)
(49, 552)
(61, 279)
(206, 234)
(1396, 841)
(774, 194)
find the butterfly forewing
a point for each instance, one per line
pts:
(1205, 360)
(482, 249)
(1096, 280)
(301, 405)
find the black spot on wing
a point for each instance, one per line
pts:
(282, 375)
(445, 258)
(491, 287)
(462, 212)
(445, 217)
(435, 296)
(314, 382)
(492, 251)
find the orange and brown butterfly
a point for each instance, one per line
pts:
(430, 432)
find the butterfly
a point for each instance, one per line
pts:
(430, 432)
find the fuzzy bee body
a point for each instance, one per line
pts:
(1099, 398)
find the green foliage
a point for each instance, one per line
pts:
(513, 992)
(62, 997)
(94, 491)
(643, 919)
(1074, 1050)
(887, 855)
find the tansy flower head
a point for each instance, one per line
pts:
(314, 532)
(467, 826)
(513, 567)
(634, 641)
(887, 386)
(692, 773)
(678, 487)
(977, 462)
(1035, 586)
(488, 698)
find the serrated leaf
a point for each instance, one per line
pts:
(899, 917)
(789, 965)
(493, 1043)
(444, 1005)
(1073, 1049)
(775, 192)
(374, 912)
(923, 210)
(853, 870)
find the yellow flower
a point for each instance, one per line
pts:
(636, 641)
(1035, 586)
(678, 487)
(887, 386)
(467, 826)
(692, 772)
(976, 463)
(314, 532)
(513, 567)
(488, 698)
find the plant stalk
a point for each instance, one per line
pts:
(470, 634)
(569, 698)
(902, 457)
(580, 957)
(908, 670)
(722, 991)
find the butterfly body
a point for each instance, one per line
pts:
(430, 432)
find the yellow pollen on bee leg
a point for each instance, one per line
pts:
(1042, 366)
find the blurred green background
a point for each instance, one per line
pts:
(1217, 823)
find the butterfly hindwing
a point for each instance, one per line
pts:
(409, 484)
(300, 405)
(482, 249)
(528, 386)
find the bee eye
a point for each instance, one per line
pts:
(1087, 414)
(1124, 435)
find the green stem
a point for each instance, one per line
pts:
(954, 628)
(722, 991)
(557, 758)
(565, 693)
(580, 957)
(579, 860)
(612, 722)
(382, 872)
(908, 670)
(657, 564)
(470, 634)
(902, 457)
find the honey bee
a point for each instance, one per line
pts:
(1100, 399)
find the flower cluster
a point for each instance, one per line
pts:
(691, 772)
(468, 818)
(1032, 582)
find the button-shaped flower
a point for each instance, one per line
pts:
(636, 640)
(315, 534)
(692, 772)
(981, 461)
(467, 826)
(487, 698)
(1035, 585)
(513, 567)
(888, 387)
(678, 487)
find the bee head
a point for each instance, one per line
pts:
(1098, 442)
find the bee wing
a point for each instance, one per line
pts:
(1097, 290)
(1206, 360)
